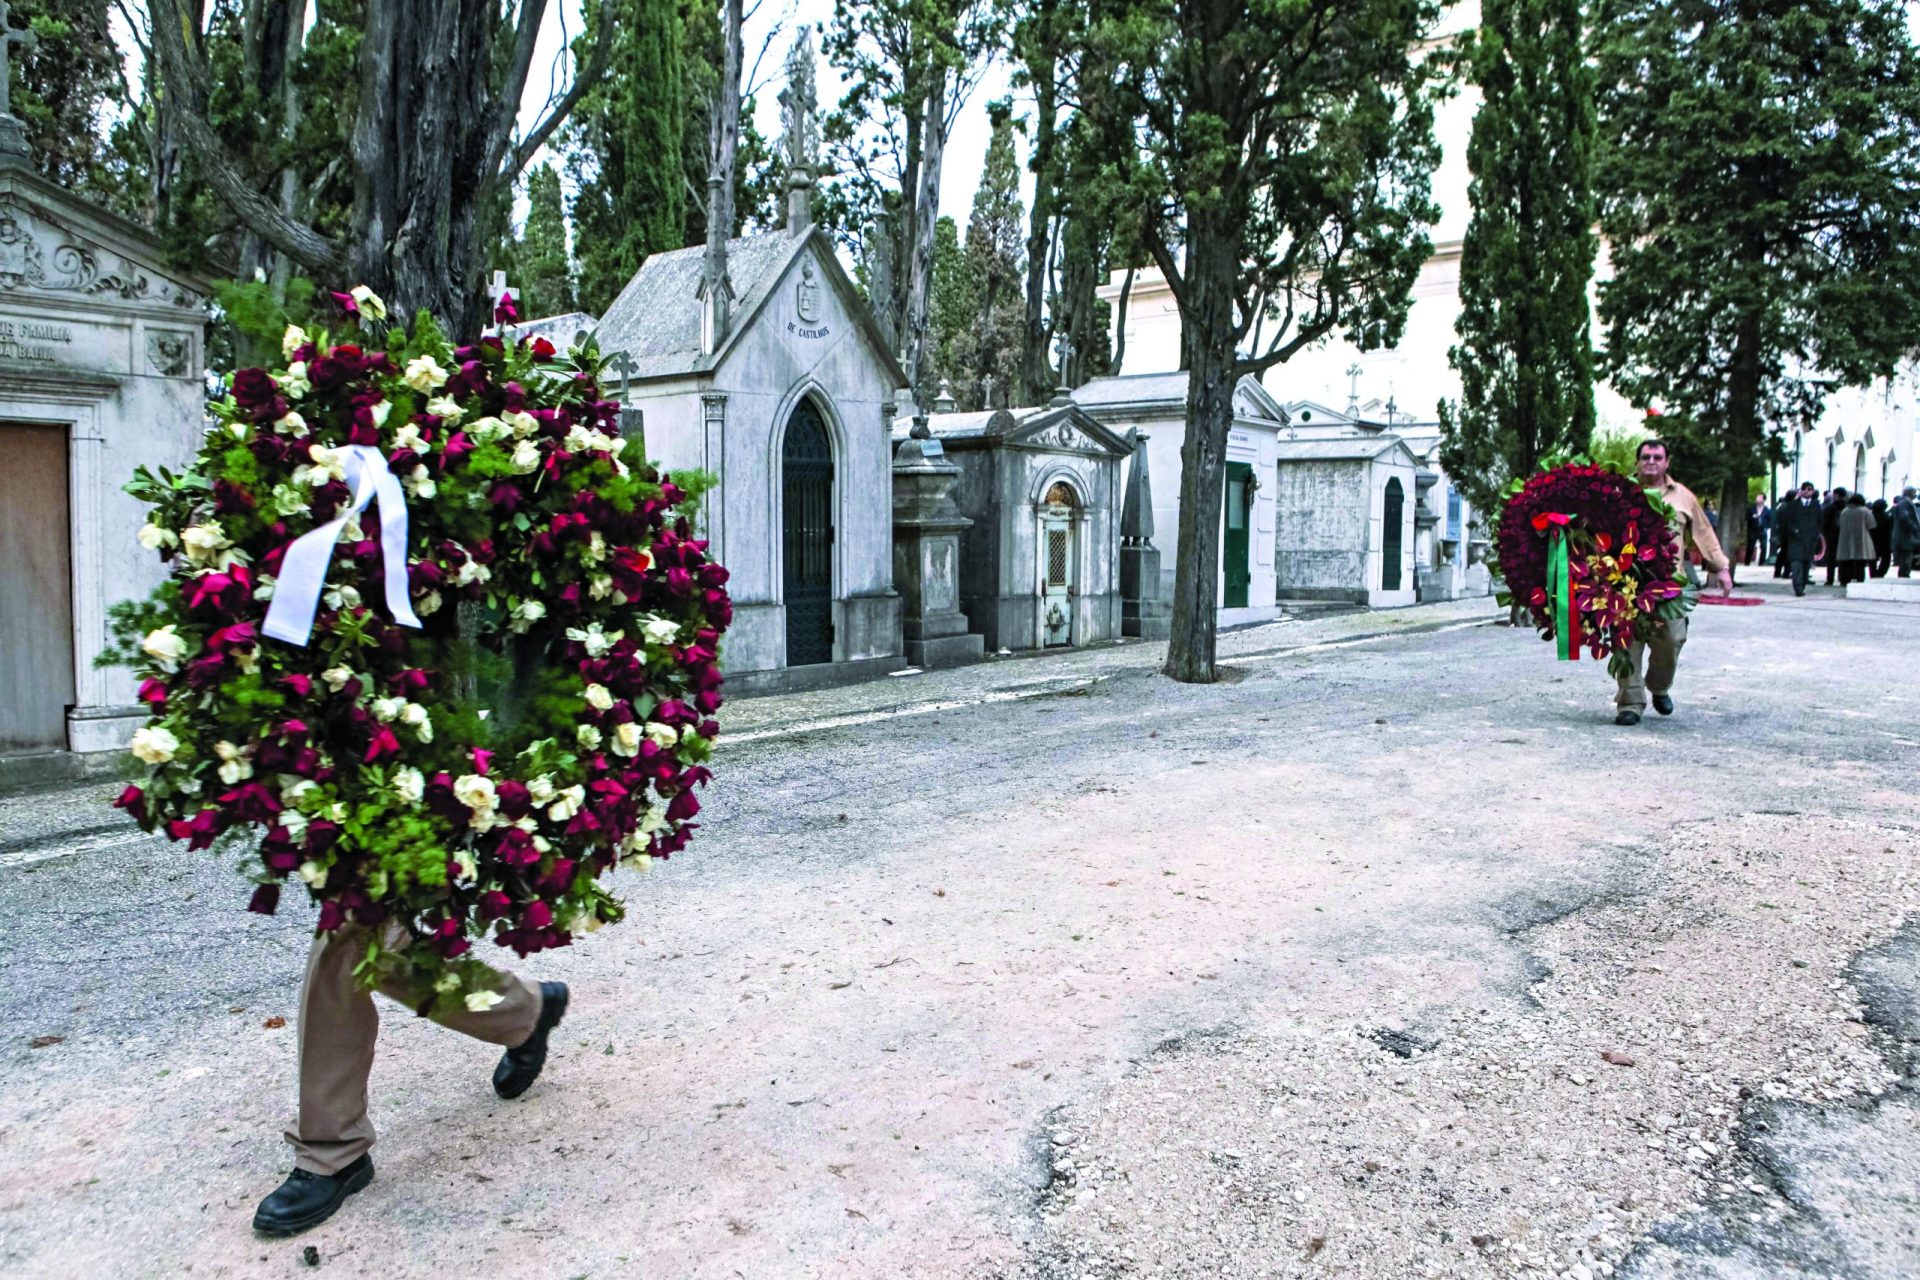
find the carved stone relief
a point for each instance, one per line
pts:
(168, 354)
(36, 254)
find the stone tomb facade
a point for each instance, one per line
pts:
(1346, 519)
(784, 395)
(101, 370)
(1155, 405)
(1039, 565)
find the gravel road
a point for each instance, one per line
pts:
(1053, 968)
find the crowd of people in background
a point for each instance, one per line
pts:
(1838, 531)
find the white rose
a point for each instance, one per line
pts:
(292, 423)
(428, 603)
(295, 382)
(526, 457)
(470, 572)
(165, 645)
(626, 738)
(202, 541)
(660, 630)
(474, 791)
(654, 819)
(567, 803)
(386, 709)
(235, 772)
(415, 713)
(409, 784)
(292, 793)
(424, 730)
(481, 1001)
(469, 866)
(540, 788)
(408, 437)
(336, 677)
(663, 735)
(487, 428)
(292, 340)
(589, 737)
(599, 697)
(424, 374)
(445, 408)
(526, 613)
(596, 547)
(378, 412)
(521, 423)
(314, 874)
(294, 821)
(369, 301)
(153, 537)
(421, 485)
(154, 745)
(600, 587)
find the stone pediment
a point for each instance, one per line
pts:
(56, 247)
(1070, 430)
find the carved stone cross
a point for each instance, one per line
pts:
(623, 364)
(11, 35)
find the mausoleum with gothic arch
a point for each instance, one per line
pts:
(779, 386)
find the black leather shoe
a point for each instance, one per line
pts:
(1627, 717)
(306, 1200)
(1663, 704)
(520, 1066)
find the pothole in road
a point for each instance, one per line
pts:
(1541, 1138)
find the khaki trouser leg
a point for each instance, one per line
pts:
(1659, 658)
(338, 1025)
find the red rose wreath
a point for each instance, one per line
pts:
(431, 645)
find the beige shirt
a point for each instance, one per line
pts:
(1693, 526)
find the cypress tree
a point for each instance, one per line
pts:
(994, 262)
(544, 275)
(626, 151)
(951, 304)
(1525, 356)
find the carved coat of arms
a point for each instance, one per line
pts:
(806, 296)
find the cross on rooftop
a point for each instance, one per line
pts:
(11, 35)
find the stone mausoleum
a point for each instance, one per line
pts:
(1155, 406)
(101, 370)
(756, 360)
(1039, 564)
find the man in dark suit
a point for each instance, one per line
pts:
(1797, 525)
(1830, 530)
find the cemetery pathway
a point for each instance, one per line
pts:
(1054, 968)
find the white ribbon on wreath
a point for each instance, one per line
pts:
(303, 571)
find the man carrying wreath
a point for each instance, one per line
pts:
(1651, 663)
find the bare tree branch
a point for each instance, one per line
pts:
(583, 80)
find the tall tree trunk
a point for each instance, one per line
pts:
(926, 212)
(1207, 353)
(1743, 435)
(1034, 361)
(423, 187)
(1120, 323)
(724, 133)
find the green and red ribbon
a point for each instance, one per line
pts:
(1566, 618)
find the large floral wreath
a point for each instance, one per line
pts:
(1593, 557)
(455, 708)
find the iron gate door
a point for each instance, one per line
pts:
(807, 502)
(1391, 536)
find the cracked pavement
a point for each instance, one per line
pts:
(1232, 943)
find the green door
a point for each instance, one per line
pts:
(1239, 540)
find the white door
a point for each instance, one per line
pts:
(1056, 603)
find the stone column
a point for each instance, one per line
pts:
(926, 554)
(1143, 606)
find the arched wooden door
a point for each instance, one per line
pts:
(806, 489)
(1391, 536)
(1060, 559)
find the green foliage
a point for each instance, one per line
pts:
(252, 318)
(984, 321)
(1759, 171)
(1525, 357)
(951, 305)
(626, 149)
(71, 96)
(543, 272)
